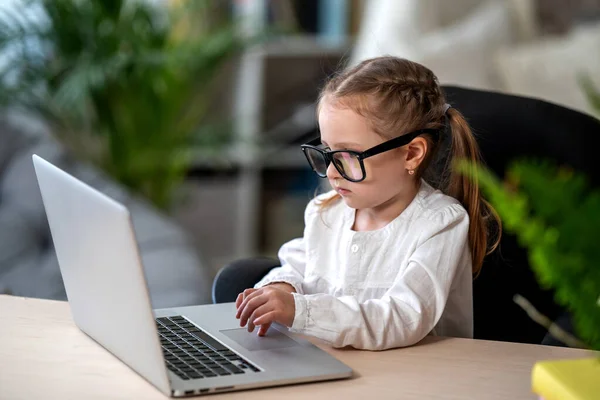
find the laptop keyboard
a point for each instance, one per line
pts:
(192, 354)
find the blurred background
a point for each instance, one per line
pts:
(192, 112)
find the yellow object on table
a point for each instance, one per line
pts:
(577, 379)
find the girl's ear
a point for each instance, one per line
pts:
(415, 152)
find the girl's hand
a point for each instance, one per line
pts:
(264, 306)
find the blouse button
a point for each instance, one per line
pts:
(354, 248)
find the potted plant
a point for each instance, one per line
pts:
(555, 215)
(126, 85)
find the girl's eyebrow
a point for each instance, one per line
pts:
(344, 144)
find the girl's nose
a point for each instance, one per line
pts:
(332, 172)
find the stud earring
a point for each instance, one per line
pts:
(411, 171)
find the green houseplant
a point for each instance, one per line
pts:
(555, 215)
(126, 85)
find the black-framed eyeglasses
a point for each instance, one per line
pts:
(350, 163)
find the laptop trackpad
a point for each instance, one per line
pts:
(274, 339)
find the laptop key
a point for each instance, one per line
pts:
(235, 369)
(215, 345)
(187, 370)
(223, 373)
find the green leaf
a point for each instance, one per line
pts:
(556, 216)
(120, 84)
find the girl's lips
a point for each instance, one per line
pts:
(342, 191)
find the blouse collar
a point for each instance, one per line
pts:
(416, 204)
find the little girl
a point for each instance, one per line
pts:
(386, 259)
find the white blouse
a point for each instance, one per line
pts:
(386, 288)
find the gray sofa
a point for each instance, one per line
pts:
(28, 265)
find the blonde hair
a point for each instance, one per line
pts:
(400, 96)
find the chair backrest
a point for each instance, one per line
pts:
(509, 127)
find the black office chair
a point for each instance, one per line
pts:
(510, 127)
(507, 127)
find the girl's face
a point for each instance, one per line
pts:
(387, 178)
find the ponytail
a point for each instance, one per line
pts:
(466, 190)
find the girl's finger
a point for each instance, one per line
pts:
(263, 309)
(250, 306)
(247, 298)
(262, 330)
(267, 318)
(239, 300)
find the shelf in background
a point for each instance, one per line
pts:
(302, 46)
(266, 157)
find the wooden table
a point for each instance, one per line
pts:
(44, 355)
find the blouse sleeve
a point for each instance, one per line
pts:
(292, 256)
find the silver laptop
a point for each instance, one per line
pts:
(182, 351)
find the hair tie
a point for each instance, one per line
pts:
(436, 174)
(447, 128)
